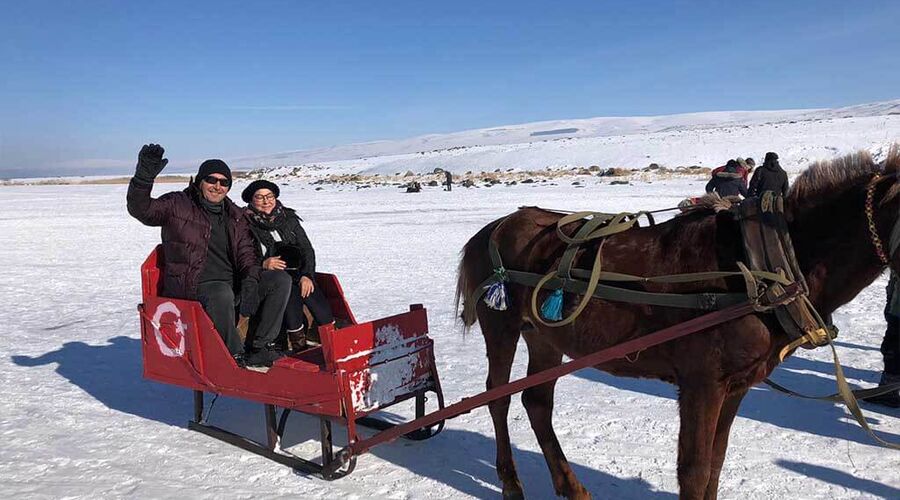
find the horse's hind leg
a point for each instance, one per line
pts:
(538, 403)
(501, 334)
(720, 445)
(700, 403)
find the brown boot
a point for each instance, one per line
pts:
(297, 339)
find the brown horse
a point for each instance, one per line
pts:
(713, 368)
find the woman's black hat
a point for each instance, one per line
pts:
(255, 186)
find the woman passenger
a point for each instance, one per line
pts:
(284, 246)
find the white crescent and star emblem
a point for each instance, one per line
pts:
(180, 329)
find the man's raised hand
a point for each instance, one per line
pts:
(150, 162)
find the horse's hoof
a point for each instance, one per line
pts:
(513, 495)
(580, 493)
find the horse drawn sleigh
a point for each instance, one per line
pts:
(710, 301)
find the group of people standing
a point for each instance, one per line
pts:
(731, 179)
(252, 269)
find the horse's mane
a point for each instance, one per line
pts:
(825, 178)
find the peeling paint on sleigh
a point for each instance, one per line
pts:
(396, 368)
(389, 344)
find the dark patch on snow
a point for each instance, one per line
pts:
(554, 132)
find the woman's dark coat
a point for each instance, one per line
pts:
(291, 233)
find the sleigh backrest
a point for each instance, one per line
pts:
(151, 272)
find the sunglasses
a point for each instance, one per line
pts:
(209, 179)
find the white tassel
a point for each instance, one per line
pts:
(495, 297)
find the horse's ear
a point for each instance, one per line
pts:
(892, 162)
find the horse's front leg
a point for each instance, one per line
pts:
(700, 403)
(720, 445)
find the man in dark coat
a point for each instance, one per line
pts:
(209, 253)
(890, 345)
(728, 181)
(769, 177)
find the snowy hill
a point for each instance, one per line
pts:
(705, 139)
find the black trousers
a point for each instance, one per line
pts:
(217, 298)
(274, 292)
(890, 346)
(316, 302)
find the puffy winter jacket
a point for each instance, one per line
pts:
(727, 184)
(185, 236)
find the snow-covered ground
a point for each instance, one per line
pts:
(78, 421)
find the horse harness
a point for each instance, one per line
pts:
(772, 275)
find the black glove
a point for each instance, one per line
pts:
(150, 162)
(249, 297)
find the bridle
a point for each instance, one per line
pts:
(883, 256)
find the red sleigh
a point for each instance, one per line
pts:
(358, 370)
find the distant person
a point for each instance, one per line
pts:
(285, 248)
(890, 346)
(751, 165)
(728, 181)
(448, 180)
(745, 168)
(208, 252)
(769, 177)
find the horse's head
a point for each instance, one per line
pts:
(843, 215)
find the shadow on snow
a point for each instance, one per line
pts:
(463, 460)
(841, 478)
(765, 405)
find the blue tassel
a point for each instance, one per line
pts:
(552, 308)
(495, 297)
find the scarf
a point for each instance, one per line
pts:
(213, 208)
(270, 221)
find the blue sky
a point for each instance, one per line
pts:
(84, 84)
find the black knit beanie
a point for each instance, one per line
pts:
(212, 167)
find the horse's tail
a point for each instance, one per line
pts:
(474, 268)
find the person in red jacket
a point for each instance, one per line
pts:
(209, 254)
(744, 167)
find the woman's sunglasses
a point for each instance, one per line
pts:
(209, 179)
